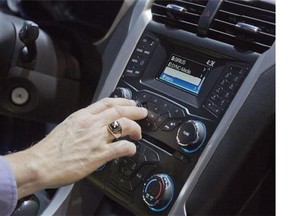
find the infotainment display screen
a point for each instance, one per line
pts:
(186, 73)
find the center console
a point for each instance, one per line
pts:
(187, 87)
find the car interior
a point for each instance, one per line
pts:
(204, 69)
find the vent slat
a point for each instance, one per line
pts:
(256, 13)
(234, 18)
(227, 27)
(187, 21)
(230, 39)
(223, 28)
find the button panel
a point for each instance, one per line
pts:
(226, 88)
(140, 56)
(127, 172)
(161, 113)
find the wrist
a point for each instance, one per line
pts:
(26, 171)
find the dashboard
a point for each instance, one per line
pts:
(205, 70)
(194, 80)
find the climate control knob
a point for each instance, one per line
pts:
(158, 192)
(191, 135)
(121, 92)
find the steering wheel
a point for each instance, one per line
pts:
(35, 73)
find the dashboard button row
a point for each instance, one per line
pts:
(160, 111)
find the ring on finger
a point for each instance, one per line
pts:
(115, 129)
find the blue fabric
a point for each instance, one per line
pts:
(8, 189)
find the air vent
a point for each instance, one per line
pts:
(181, 14)
(246, 24)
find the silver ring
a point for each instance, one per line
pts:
(115, 129)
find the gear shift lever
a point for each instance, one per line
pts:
(28, 35)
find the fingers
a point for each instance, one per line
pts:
(120, 148)
(116, 112)
(129, 127)
(107, 103)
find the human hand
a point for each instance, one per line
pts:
(77, 146)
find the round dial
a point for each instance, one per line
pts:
(191, 135)
(158, 192)
(121, 92)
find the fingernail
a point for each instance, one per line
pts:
(144, 110)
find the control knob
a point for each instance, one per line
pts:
(121, 92)
(158, 192)
(191, 135)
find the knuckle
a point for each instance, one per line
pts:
(107, 102)
(117, 110)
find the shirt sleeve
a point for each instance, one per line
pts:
(8, 189)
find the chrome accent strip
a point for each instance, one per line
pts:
(60, 201)
(240, 26)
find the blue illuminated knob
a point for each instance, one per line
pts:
(158, 192)
(191, 135)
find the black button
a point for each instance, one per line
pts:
(217, 111)
(146, 125)
(121, 181)
(143, 97)
(137, 61)
(155, 108)
(164, 105)
(227, 75)
(214, 97)
(222, 103)
(161, 119)
(151, 155)
(230, 86)
(227, 95)
(139, 157)
(139, 50)
(210, 105)
(147, 52)
(129, 71)
(237, 70)
(223, 93)
(148, 42)
(219, 90)
(152, 116)
(128, 167)
(141, 175)
(176, 112)
(170, 125)
(181, 157)
(155, 100)
(236, 78)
